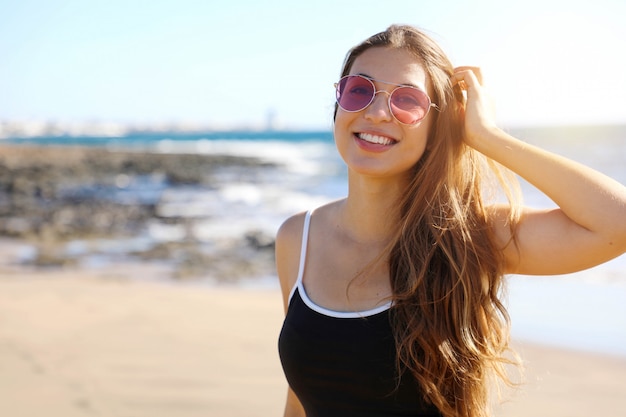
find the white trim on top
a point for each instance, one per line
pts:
(305, 297)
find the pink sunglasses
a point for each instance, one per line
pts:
(408, 105)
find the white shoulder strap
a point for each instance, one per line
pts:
(303, 248)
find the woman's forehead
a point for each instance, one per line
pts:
(394, 65)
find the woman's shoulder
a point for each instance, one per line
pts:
(287, 247)
(292, 228)
(288, 244)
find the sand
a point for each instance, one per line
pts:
(77, 343)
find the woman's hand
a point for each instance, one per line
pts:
(479, 111)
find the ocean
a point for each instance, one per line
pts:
(585, 310)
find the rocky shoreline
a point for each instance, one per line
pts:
(53, 195)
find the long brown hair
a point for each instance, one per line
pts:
(450, 327)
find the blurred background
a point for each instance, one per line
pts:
(165, 141)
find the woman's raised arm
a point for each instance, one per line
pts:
(589, 225)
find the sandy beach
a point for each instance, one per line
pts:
(86, 343)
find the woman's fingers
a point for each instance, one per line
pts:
(467, 76)
(478, 110)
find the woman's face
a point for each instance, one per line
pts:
(371, 141)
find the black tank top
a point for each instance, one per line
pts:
(342, 364)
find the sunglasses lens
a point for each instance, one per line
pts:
(409, 105)
(354, 93)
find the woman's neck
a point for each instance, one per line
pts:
(370, 212)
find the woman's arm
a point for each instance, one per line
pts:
(589, 225)
(287, 260)
(293, 408)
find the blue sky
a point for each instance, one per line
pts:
(226, 63)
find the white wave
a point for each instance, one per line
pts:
(300, 157)
(161, 232)
(249, 194)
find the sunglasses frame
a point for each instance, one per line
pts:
(389, 94)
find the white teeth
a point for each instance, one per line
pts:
(381, 140)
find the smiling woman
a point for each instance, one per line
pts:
(393, 294)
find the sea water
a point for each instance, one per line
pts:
(585, 310)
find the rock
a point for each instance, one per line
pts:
(259, 240)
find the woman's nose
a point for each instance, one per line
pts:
(379, 110)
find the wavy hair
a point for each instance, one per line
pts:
(450, 326)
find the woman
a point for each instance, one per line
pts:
(391, 294)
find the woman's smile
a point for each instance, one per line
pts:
(374, 142)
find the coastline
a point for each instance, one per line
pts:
(75, 343)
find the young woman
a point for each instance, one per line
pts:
(391, 294)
